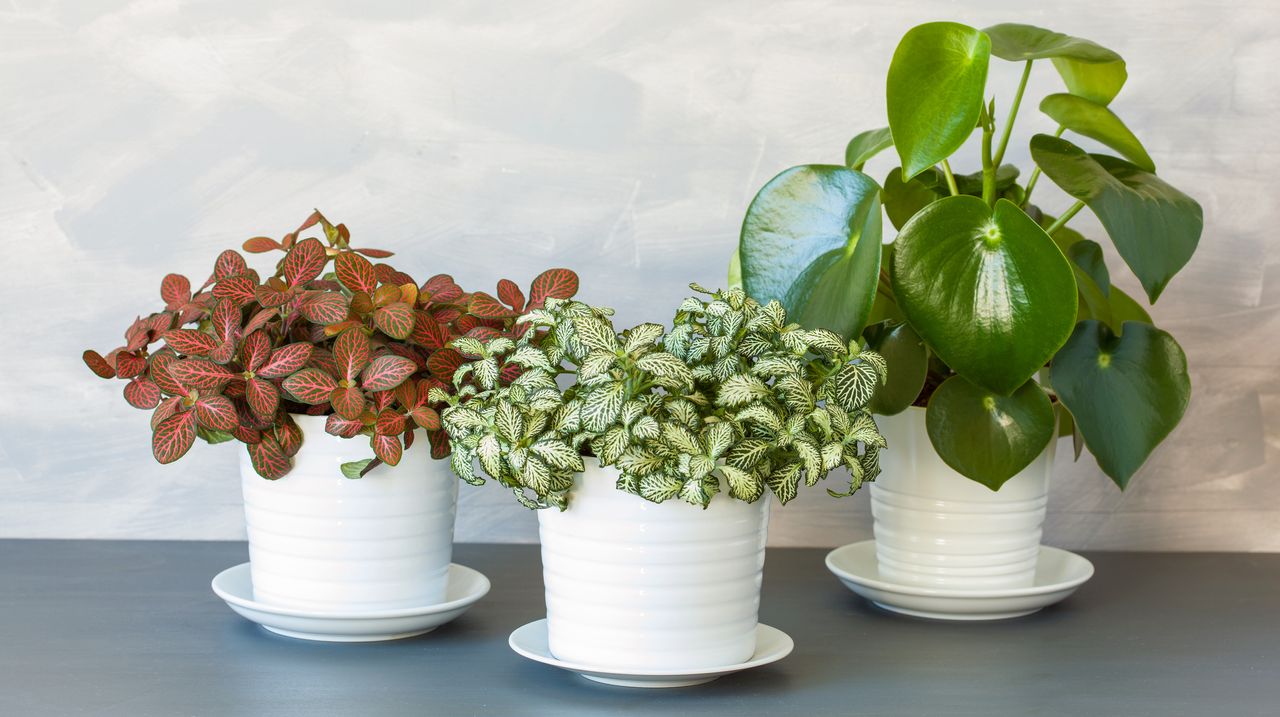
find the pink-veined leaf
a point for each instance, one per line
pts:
(351, 352)
(439, 444)
(446, 316)
(239, 289)
(557, 283)
(426, 417)
(443, 363)
(325, 308)
(304, 262)
(261, 245)
(129, 364)
(509, 373)
(229, 263)
(268, 458)
(388, 274)
(224, 352)
(484, 333)
(286, 360)
(311, 386)
(142, 393)
(175, 289)
(381, 399)
(322, 359)
(408, 436)
(255, 350)
(386, 294)
(263, 397)
(158, 365)
(246, 434)
(216, 412)
(272, 296)
(167, 407)
(374, 253)
(428, 332)
(355, 272)
(348, 402)
(395, 320)
(387, 448)
(386, 372)
(441, 288)
(336, 425)
(174, 436)
(225, 320)
(486, 306)
(289, 436)
(511, 295)
(390, 422)
(261, 319)
(98, 365)
(200, 374)
(341, 326)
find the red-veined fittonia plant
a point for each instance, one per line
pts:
(333, 331)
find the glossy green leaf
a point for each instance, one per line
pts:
(867, 145)
(811, 239)
(903, 199)
(936, 80)
(1093, 303)
(1154, 226)
(908, 359)
(735, 270)
(1126, 308)
(1126, 392)
(1087, 254)
(987, 437)
(1088, 69)
(989, 292)
(1095, 121)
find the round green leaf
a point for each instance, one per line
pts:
(1095, 121)
(1154, 226)
(811, 239)
(990, 293)
(934, 95)
(1126, 392)
(867, 145)
(987, 437)
(903, 199)
(908, 360)
(1088, 69)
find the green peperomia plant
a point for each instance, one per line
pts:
(362, 343)
(981, 290)
(732, 394)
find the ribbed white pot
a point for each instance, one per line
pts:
(321, 541)
(632, 584)
(936, 528)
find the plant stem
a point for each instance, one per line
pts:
(988, 168)
(1013, 113)
(1066, 217)
(1035, 173)
(951, 178)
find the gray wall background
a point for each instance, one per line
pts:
(625, 140)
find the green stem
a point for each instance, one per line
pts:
(951, 178)
(988, 168)
(1013, 113)
(1066, 217)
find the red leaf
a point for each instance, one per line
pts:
(441, 288)
(558, 283)
(446, 316)
(260, 320)
(511, 295)
(467, 322)
(395, 320)
(304, 262)
(268, 459)
(190, 342)
(355, 272)
(157, 324)
(488, 307)
(255, 350)
(311, 386)
(428, 332)
(408, 438)
(129, 364)
(260, 245)
(98, 365)
(509, 373)
(246, 435)
(443, 363)
(387, 449)
(336, 425)
(225, 320)
(387, 274)
(390, 422)
(439, 444)
(271, 296)
(167, 408)
(322, 359)
(137, 336)
(158, 369)
(381, 399)
(199, 374)
(224, 353)
(216, 412)
(374, 253)
(426, 417)
(351, 352)
(484, 333)
(174, 436)
(229, 263)
(325, 308)
(386, 372)
(285, 360)
(348, 402)
(175, 289)
(406, 394)
(239, 289)
(142, 393)
(263, 397)
(289, 436)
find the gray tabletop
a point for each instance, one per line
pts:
(131, 628)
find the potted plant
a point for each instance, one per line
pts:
(646, 566)
(994, 316)
(329, 347)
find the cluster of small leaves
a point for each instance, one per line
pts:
(732, 396)
(328, 333)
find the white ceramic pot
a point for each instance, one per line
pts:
(632, 584)
(936, 528)
(321, 541)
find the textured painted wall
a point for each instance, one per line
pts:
(495, 139)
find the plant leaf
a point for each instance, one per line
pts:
(304, 262)
(903, 199)
(511, 295)
(325, 308)
(216, 413)
(190, 342)
(286, 360)
(355, 272)
(552, 283)
(311, 386)
(426, 417)
(866, 145)
(908, 360)
(1126, 393)
(987, 437)
(387, 448)
(261, 245)
(936, 81)
(268, 458)
(428, 332)
(173, 437)
(336, 425)
(486, 306)
(1154, 226)
(200, 374)
(1096, 121)
(97, 364)
(175, 289)
(142, 393)
(990, 293)
(1088, 69)
(395, 320)
(355, 469)
(263, 397)
(351, 352)
(386, 372)
(348, 402)
(443, 363)
(229, 263)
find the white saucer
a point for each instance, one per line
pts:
(466, 586)
(1058, 574)
(530, 641)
